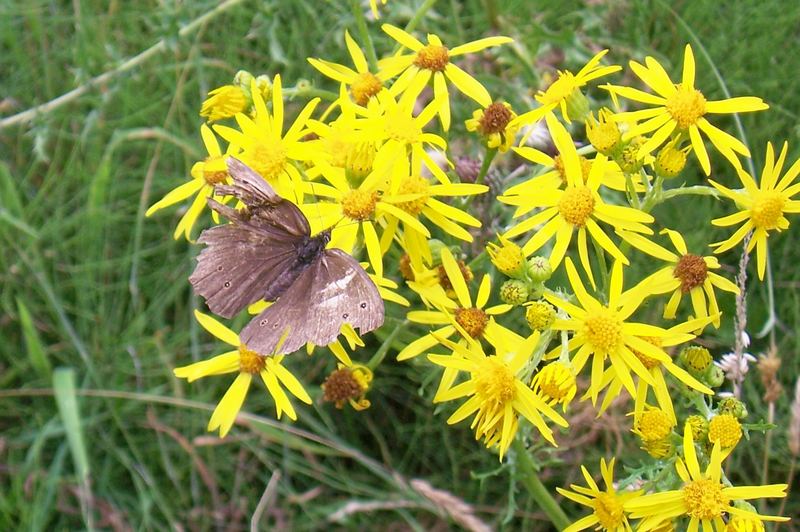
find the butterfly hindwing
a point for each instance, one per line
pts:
(332, 291)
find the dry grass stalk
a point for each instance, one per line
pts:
(458, 510)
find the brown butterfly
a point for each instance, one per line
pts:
(267, 252)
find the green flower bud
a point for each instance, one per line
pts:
(539, 269)
(514, 292)
(714, 377)
(732, 406)
(695, 359)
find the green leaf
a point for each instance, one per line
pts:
(64, 387)
(33, 344)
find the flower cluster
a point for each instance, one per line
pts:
(515, 329)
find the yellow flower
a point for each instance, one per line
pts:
(555, 383)
(680, 108)
(349, 383)
(224, 102)
(399, 134)
(354, 212)
(607, 506)
(416, 196)
(687, 273)
(602, 331)
(725, 429)
(507, 257)
(702, 498)
(247, 363)
(763, 206)
(265, 147)
(205, 174)
(566, 88)
(373, 6)
(433, 61)
(496, 391)
(603, 132)
(495, 124)
(362, 83)
(673, 336)
(577, 206)
(470, 315)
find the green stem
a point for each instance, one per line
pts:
(361, 24)
(418, 16)
(311, 92)
(487, 161)
(536, 489)
(698, 190)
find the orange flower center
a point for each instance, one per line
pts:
(341, 386)
(576, 205)
(444, 280)
(214, 171)
(495, 119)
(473, 320)
(686, 106)
(365, 86)
(359, 204)
(767, 210)
(250, 361)
(432, 57)
(691, 270)
(648, 362)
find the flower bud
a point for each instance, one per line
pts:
(603, 133)
(732, 406)
(540, 315)
(670, 161)
(695, 359)
(508, 258)
(539, 269)
(514, 292)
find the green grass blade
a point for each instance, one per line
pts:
(33, 344)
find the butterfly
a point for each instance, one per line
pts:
(267, 253)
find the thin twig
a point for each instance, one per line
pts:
(266, 499)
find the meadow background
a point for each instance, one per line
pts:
(96, 309)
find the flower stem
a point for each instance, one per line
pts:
(536, 489)
(366, 40)
(412, 24)
(487, 162)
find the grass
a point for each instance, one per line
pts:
(96, 308)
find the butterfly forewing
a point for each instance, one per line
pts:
(333, 291)
(237, 267)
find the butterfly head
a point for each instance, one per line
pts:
(312, 247)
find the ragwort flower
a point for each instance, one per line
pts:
(607, 505)
(496, 391)
(703, 498)
(433, 61)
(576, 207)
(205, 175)
(247, 363)
(687, 273)
(763, 206)
(362, 83)
(681, 108)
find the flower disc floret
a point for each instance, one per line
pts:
(767, 210)
(495, 119)
(365, 86)
(692, 271)
(269, 160)
(432, 57)
(473, 320)
(654, 425)
(359, 204)
(608, 509)
(687, 105)
(603, 330)
(726, 429)
(704, 499)
(414, 184)
(495, 382)
(250, 361)
(576, 205)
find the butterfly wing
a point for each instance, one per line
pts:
(239, 266)
(255, 256)
(265, 208)
(332, 291)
